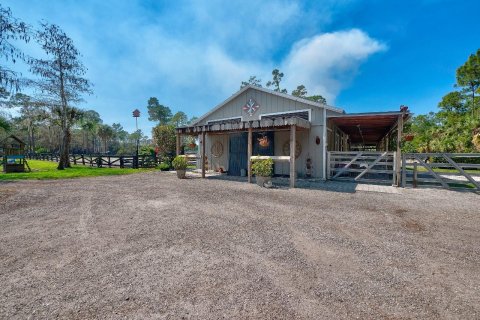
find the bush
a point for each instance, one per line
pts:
(163, 166)
(180, 163)
(263, 168)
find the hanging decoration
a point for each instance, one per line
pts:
(251, 106)
(217, 149)
(263, 141)
(317, 140)
(286, 149)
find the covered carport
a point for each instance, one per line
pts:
(374, 147)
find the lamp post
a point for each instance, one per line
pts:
(136, 115)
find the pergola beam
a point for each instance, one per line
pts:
(204, 142)
(249, 155)
(292, 155)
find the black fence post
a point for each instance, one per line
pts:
(83, 159)
(122, 163)
(135, 162)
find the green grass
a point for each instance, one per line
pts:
(42, 170)
(442, 170)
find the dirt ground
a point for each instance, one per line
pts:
(152, 246)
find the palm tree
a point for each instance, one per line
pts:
(105, 132)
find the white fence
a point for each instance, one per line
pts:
(362, 166)
(447, 170)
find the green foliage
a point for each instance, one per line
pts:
(468, 77)
(158, 112)
(180, 163)
(317, 98)
(42, 170)
(146, 151)
(263, 168)
(454, 126)
(165, 139)
(164, 166)
(4, 123)
(12, 30)
(179, 119)
(252, 81)
(300, 92)
(476, 141)
(275, 82)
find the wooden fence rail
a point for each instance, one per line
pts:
(142, 161)
(446, 170)
(361, 166)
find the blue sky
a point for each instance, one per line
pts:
(361, 55)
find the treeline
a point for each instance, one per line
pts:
(47, 118)
(275, 85)
(164, 134)
(57, 82)
(455, 127)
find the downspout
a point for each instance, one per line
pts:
(324, 138)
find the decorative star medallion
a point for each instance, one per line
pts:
(251, 107)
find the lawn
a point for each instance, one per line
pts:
(42, 170)
(443, 170)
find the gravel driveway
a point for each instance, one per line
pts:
(152, 246)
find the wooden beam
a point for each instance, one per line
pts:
(292, 155)
(178, 144)
(204, 142)
(249, 155)
(399, 150)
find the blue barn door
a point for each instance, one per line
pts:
(237, 158)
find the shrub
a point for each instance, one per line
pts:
(263, 168)
(180, 163)
(163, 166)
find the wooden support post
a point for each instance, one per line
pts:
(292, 155)
(399, 150)
(83, 159)
(415, 175)
(204, 142)
(178, 144)
(249, 155)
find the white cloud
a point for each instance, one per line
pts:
(326, 63)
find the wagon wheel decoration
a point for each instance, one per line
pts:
(217, 149)
(298, 149)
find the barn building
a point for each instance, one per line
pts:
(257, 121)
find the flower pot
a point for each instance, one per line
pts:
(262, 180)
(181, 174)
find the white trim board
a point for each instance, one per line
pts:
(223, 119)
(286, 112)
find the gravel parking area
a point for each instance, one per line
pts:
(152, 246)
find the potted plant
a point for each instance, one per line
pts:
(263, 170)
(180, 165)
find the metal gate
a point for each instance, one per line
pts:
(447, 170)
(362, 166)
